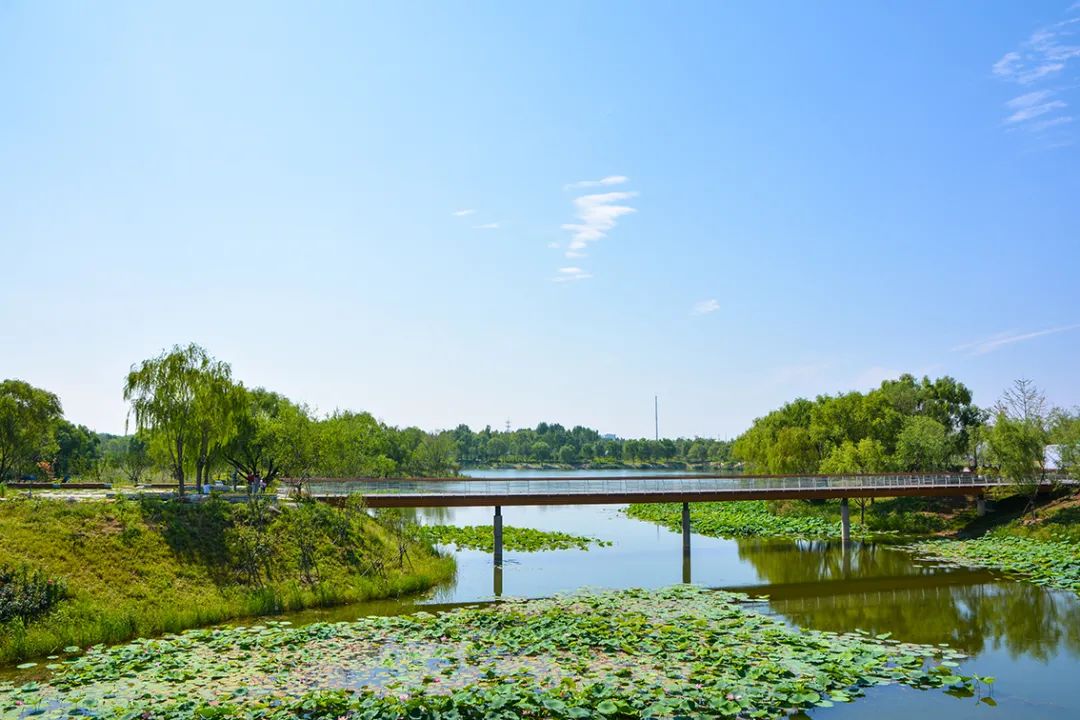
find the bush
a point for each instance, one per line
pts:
(26, 595)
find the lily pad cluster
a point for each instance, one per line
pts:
(677, 652)
(1043, 562)
(515, 539)
(735, 519)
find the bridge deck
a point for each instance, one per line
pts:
(480, 492)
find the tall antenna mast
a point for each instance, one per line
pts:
(507, 424)
(656, 414)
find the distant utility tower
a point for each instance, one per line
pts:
(656, 414)
(507, 424)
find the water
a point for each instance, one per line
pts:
(1025, 636)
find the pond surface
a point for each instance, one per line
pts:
(1024, 635)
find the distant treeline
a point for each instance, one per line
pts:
(552, 443)
(195, 424)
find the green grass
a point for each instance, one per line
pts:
(145, 568)
(1044, 552)
(679, 652)
(515, 539)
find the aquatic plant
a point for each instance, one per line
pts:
(735, 519)
(1043, 562)
(515, 539)
(681, 651)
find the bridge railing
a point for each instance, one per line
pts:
(629, 485)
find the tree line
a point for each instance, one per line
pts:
(915, 425)
(194, 422)
(553, 443)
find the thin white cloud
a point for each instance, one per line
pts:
(554, 245)
(602, 182)
(1034, 111)
(598, 215)
(567, 274)
(705, 307)
(1000, 340)
(487, 226)
(463, 213)
(1047, 56)
(1053, 122)
(1028, 99)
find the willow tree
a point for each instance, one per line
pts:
(181, 400)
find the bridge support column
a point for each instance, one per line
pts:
(845, 522)
(497, 580)
(980, 505)
(498, 535)
(686, 528)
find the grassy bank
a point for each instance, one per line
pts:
(1045, 551)
(142, 568)
(796, 518)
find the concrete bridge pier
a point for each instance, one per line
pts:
(845, 522)
(980, 505)
(498, 536)
(686, 542)
(686, 528)
(497, 580)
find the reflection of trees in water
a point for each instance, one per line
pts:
(881, 590)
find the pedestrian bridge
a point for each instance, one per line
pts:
(481, 492)
(685, 489)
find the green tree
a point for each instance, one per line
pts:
(923, 445)
(28, 418)
(568, 455)
(175, 398)
(1019, 437)
(1065, 433)
(78, 448)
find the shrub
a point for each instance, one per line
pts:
(27, 594)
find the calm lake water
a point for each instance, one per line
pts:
(1023, 635)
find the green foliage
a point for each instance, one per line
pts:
(26, 594)
(183, 401)
(551, 442)
(1043, 562)
(680, 652)
(923, 444)
(736, 519)
(916, 425)
(28, 418)
(1019, 437)
(78, 448)
(515, 539)
(151, 566)
(801, 519)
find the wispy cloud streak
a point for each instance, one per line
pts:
(1045, 57)
(1000, 340)
(602, 182)
(705, 307)
(568, 274)
(463, 213)
(487, 226)
(597, 214)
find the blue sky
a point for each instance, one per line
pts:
(726, 204)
